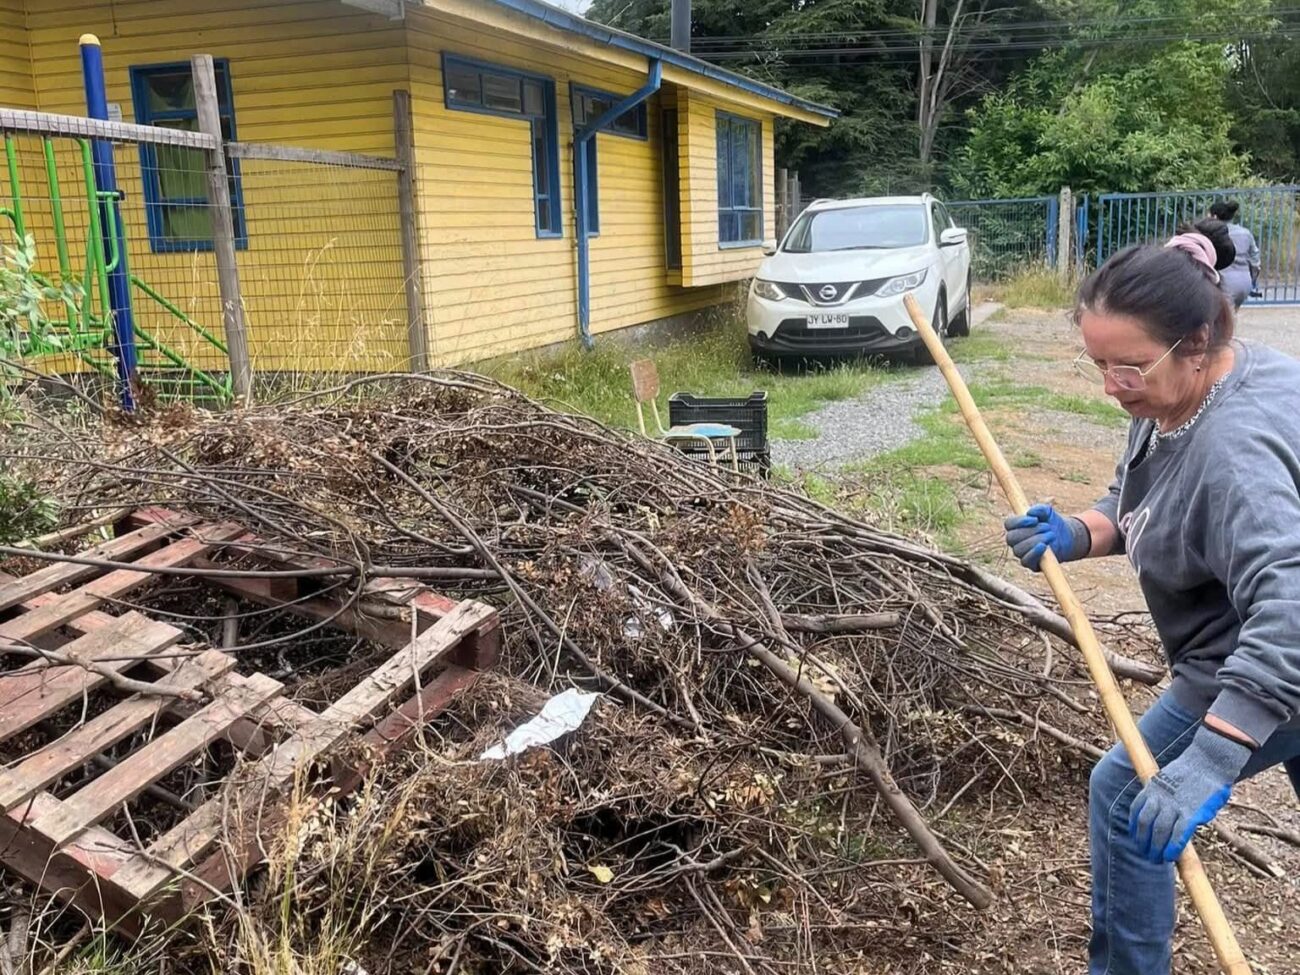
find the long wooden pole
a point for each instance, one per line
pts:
(208, 105)
(1190, 869)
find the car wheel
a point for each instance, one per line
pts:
(940, 325)
(961, 324)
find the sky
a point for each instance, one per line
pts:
(573, 6)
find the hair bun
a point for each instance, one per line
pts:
(1199, 248)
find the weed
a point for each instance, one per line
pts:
(715, 362)
(1036, 288)
(979, 347)
(1027, 458)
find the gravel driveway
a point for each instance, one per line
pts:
(882, 419)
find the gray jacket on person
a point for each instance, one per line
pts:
(1238, 278)
(1211, 522)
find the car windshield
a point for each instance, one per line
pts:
(859, 228)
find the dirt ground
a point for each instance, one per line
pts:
(1042, 923)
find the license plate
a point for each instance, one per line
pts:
(828, 321)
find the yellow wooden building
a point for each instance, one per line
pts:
(679, 186)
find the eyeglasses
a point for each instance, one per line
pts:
(1131, 378)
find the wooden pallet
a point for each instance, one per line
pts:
(66, 652)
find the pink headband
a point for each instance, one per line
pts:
(1198, 245)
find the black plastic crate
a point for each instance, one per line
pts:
(756, 462)
(747, 414)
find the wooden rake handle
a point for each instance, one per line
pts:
(1190, 869)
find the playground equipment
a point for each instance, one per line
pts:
(96, 320)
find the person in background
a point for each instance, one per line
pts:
(1241, 279)
(1206, 506)
(1218, 234)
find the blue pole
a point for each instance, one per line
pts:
(584, 247)
(580, 140)
(110, 222)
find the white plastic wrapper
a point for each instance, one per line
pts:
(563, 713)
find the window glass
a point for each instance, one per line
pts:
(501, 93)
(859, 228)
(175, 178)
(463, 84)
(740, 193)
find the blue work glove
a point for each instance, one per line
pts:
(1041, 528)
(1185, 794)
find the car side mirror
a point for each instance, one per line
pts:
(769, 249)
(952, 237)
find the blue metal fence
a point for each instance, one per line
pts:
(1271, 213)
(1008, 236)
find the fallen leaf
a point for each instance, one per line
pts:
(601, 872)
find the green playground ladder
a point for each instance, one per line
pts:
(86, 331)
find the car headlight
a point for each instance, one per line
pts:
(768, 290)
(902, 283)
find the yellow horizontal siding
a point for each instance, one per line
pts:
(491, 286)
(322, 274)
(16, 89)
(704, 260)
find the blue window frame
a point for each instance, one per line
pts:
(175, 179)
(488, 89)
(740, 181)
(593, 190)
(588, 104)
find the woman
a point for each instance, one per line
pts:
(1241, 278)
(1225, 251)
(1206, 505)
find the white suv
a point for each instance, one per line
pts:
(835, 285)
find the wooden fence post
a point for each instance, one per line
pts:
(417, 337)
(1064, 232)
(782, 202)
(223, 228)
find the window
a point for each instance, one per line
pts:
(740, 188)
(589, 104)
(175, 179)
(936, 217)
(672, 192)
(881, 226)
(490, 90)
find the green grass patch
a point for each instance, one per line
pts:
(1035, 288)
(715, 362)
(1003, 393)
(979, 347)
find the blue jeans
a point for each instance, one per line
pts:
(1133, 899)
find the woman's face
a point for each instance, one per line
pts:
(1117, 340)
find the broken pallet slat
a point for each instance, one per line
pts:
(66, 753)
(32, 694)
(15, 591)
(92, 803)
(67, 606)
(190, 838)
(280, 713)
(224, 867)
(81, 872)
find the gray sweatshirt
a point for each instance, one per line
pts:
(1211, 523)
(1239, 277)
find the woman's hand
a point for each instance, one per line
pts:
(1041, 528)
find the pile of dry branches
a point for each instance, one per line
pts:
(809, 726)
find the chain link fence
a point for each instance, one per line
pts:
(1009, 236)
(116, 227)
